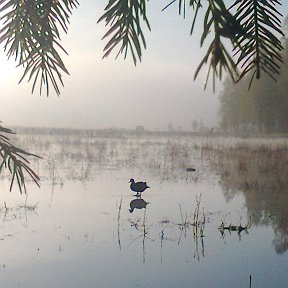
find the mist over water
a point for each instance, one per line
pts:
(215, 214)
(226, 219)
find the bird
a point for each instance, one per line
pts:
(138, 187)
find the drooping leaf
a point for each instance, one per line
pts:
(124, 18)
(15, 159)
(31, 31)
(259, 48)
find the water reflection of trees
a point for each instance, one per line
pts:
(260, 173)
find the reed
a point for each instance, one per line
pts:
(197, 222)
(118, 224)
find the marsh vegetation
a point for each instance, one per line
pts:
(216, 206)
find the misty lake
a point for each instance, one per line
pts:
(213, 227)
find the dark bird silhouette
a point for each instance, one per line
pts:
(138, 187)
(137, 204)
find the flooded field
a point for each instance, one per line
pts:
(212, 227)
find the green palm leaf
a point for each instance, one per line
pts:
(30, 34)
(259, 49)
(123, 17)
(15, 160)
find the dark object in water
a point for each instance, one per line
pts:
(230, 228)
(138, 187)
(137, 204)
(190, 169)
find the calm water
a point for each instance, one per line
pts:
(77, 231)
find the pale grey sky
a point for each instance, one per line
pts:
(114, 93)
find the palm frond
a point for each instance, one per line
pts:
(195, 4)
(218, 19)
(15, 160)
(123, 18)
(259, 49)
(31, 34)
(251, 26)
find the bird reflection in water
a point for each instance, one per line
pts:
(137, 203)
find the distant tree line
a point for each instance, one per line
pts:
(262, 108)
(31, 34)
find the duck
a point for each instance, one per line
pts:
(138, 187)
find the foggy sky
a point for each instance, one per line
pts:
(114, 93)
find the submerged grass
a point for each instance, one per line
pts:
(254, 168)
(259, 173)
(118, 223)
(197, 222)
(81, 158)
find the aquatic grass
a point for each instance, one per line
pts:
(197, 222)
(29, 207)
(233, 228)
(81, 157)
(118, 223)
(53, 172)
(261, 167)
(14, 213)
(152, 158)
(144, 229)
(241, 165)
(6, 208)
(184, 223)
(140, 224)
